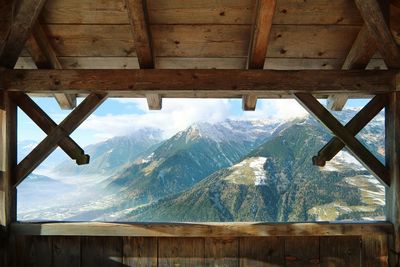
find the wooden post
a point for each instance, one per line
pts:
(392, 128)
(8, 161)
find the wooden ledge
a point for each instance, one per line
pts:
(201, 229)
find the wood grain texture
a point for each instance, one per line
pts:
(302, 252)
(340, 252)
(261, 252)
(392, 148)
(249, 102)
(140, 251)
(375, 251)
(66, 251)
(27, 12)
(376, 22)
(222, 252)
(102, 252)
(199, 83)
(36, 251)
(201, 12)
(355, 147)
(137, 10)
(181, 252)
(154, 101)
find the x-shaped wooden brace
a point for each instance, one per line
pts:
(57, 134)
(345, 135)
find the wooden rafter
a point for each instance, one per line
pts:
(363, 155)
(138, 17)
(363, 49)
(200, 83)
(354, 126)
(47, 125)
(63, 130)
(24, 16)
(45, 57)
(258, 47)
(376, 22)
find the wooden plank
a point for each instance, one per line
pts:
(392, 147)
(354, 126)
(358, 150)
(199, 83)
(138, 18)
(181, 252)
(47, 125)
(201, 12)
(19, 30)
(222, 252)
(66, 251)
(342, 251)
(363, 49)
(375, 251)
(32, 251)
(45, 58)
(201, 229)
(140, 251)
(8, 161)
(258, 47)
(64, 129)
(154, 101)
(302, 252)
(261, 251)
(376, 22)
(289, 41)
(101, 252)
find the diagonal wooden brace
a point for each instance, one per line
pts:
(64, 129)
(358, 150)
(47, 125)
(354, 126)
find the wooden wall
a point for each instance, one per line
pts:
(71, 251)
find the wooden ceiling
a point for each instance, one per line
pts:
(96, 34)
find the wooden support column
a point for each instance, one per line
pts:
(8, 160)
(45, 57)
(258, 47)
(392, 151)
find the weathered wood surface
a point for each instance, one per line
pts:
(392, 150)
(140, 28)
(56, 251)
(356, 148)
(24, 15)
(201, 229)
(200, 83)
(154, 101)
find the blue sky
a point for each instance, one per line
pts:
(122, 116)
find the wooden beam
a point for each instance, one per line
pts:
(355, 125)
(200, 83)
(25, 14)
(64, 129)
(392, 152)
(201, 229)
(154, 101)
(138, 19)
(45, 57)
(363, 49)
(376, 22)
(8, 161)
(363, 155)
(47, 125)
(264, 13)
